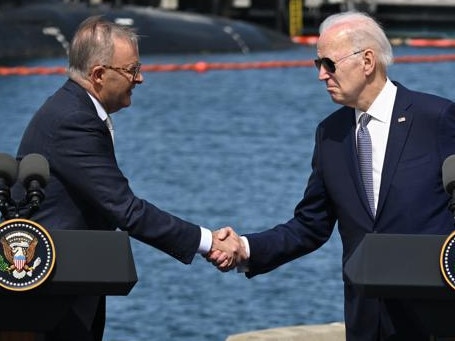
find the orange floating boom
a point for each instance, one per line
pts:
(209, 66)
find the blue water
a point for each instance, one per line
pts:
(220, 148)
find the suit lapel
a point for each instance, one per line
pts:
(399, 130)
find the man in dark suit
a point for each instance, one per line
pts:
(410, 135)
(86, 189)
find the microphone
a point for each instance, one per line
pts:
(34, 175)
(448, 179)
(8, 176)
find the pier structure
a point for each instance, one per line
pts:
(400, 18)
(410, 18)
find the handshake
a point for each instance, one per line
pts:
(228, 250)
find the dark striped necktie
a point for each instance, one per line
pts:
(365, 155)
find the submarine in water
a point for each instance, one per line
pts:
(35, 29)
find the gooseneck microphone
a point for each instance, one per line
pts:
(33, 175)
(8, 176)
(448, 180)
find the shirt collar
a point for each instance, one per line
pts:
(99, 108)
(382, 107)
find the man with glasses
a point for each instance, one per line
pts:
(376, 168)
(86, 189)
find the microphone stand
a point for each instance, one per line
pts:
(10, 209)
(6, 204)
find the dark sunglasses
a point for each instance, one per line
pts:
(329, 64)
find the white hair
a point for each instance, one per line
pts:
(364, 32)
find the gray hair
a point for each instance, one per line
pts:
(93, 44)
(364, 32)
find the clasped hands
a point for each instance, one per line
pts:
(228, 249)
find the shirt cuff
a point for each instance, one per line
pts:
(206, 241)
(244, 266)
(247, 246)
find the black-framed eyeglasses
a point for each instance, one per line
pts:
(133, 70)
(329, 64)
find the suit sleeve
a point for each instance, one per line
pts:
(310, 228)
(84, 159)
(447, 128)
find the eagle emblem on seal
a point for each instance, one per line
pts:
(19, 251)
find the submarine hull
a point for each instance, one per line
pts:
(45, 30)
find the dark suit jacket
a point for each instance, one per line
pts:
(86, 189)
(411, 199)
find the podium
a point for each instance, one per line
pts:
(88, 263)
(406, 267)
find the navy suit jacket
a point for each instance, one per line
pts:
(412, 199)
(86, 189)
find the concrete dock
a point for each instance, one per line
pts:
(323, 332)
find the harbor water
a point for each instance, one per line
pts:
(227, 147)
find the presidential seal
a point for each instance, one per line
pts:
(27, 255)
(447, 260)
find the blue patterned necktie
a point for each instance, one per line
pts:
(364, 151)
